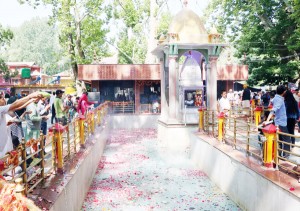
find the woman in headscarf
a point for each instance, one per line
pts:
(83, 103)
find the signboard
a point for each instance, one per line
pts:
(94, 96)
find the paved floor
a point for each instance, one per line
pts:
(136, 173)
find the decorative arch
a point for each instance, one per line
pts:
(193, 68)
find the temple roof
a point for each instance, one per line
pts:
(189, 27)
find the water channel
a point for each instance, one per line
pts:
(137, 173)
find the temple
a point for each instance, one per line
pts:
(187, 67)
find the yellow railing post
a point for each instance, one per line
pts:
(59, 144)
(276, 146)
(57, 147)
(270, 133)
(81, 130)
(257, 115)
(201, 115)
(221, 118)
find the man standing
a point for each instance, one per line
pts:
(33, 121)
(60, 109)
(280, 119)
(224, 104)
(21, 103)
(70, 104)
(246, 96)
(44, 111)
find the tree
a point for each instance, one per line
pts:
(137, 36)
(81, 28)
(264, 33)
(6, 36)
(37, 41)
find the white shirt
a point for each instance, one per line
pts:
(3, 127)
(52, 98)
(224, 104)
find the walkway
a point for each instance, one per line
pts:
(135, 173)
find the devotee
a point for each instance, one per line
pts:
(230, 96)
(224, 103)
(33, 121)
(279, 111)
(21, 103)
(44, 110)
(292, 113)
(60, 108)
(70, 104)
(83, 103)
(246, 96)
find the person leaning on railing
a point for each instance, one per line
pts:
(21, 103)
(280, 119)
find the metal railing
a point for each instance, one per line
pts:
(46, 155)
(243, 134)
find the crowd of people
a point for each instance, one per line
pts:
(25, 116)
(281, 106)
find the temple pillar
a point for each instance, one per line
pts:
(211, 75)
(172, 87)
(163, 100)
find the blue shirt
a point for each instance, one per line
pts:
(279, 111)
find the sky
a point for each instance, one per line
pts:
(12, 14)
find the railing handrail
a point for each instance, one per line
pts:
(93, 118)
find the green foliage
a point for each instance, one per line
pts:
(81, 28)
(131, 51)
(164, 23)
(5, 37)
(37, 41)
(132, 44)
(266, 32)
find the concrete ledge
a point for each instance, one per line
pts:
(251, 186)
(134, 121)
(176, 137)
(74, 193)
(67, 191)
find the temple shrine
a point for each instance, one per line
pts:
(175, 87)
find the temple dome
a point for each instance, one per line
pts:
(187, 27)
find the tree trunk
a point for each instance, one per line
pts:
(78, 40)
(72, 54)
(150, 58)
